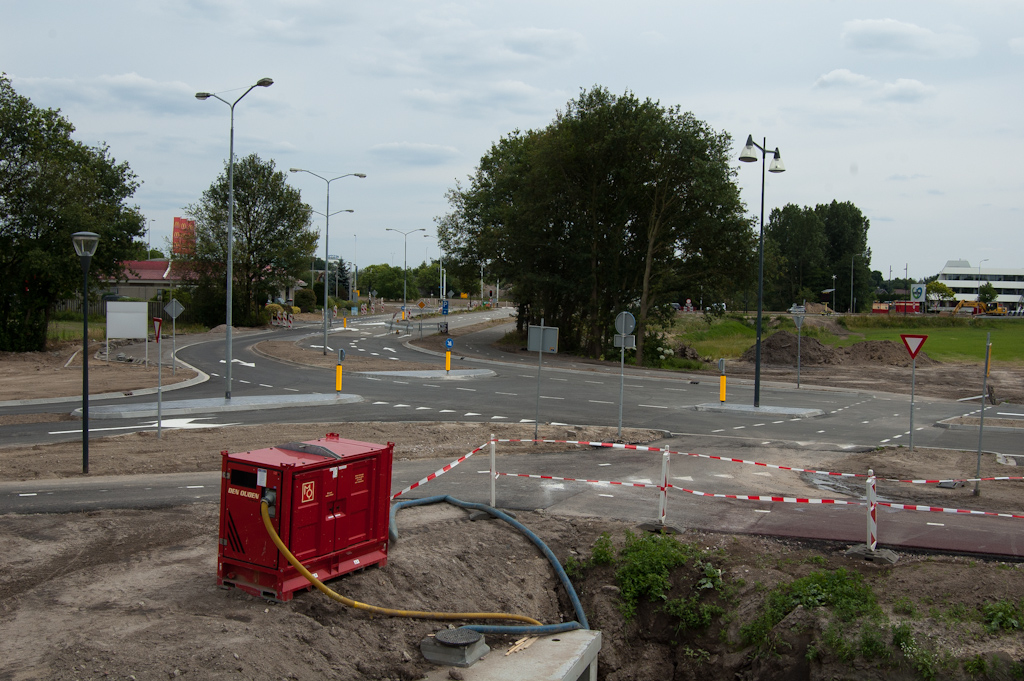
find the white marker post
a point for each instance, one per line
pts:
(872, 542)
(494, 473)
(913, 343)
(157, 323)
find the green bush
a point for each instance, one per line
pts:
(305, 300)
(645, 563)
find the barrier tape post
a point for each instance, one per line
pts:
(663, 497)
(872, 512)
(494, 475)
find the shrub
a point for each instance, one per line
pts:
(305, 299)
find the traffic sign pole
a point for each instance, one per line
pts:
(984, 394)
(914, 343)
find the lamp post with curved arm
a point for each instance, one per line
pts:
(202, 96)
(748, 155)
(405, 262)
(327, 228)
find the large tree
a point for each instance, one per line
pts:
(601, 211)
(52, 186)
(273, 241)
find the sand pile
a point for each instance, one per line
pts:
(781, 348)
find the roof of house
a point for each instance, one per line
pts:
(150, 271)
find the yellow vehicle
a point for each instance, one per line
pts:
(978, 307)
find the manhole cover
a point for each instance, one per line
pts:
(457, 637)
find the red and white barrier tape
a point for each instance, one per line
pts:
(755, 497)
(597, 482)
(938, 509)
(438, 472)
(642, 448)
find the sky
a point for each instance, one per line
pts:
(911, 110)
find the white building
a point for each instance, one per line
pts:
(965, 280)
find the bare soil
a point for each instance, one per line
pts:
(132, 594)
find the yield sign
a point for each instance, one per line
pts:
(913, 343)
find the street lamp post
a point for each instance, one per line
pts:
(405, 263)
(748, 155)
(327, 228)
(979, 276)
(85, 246)
(262, 82)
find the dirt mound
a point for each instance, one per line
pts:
(781, 348)
(883, 352)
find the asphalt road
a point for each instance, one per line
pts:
(566, 392)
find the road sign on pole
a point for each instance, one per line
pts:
(449, 343)
(444, 307)
(913, 343)
(625, 323)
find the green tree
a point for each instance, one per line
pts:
(798, 235)
(938, 292)
(846, 234)
(52, 186)
(273, 241)
(987, 293)
(384, 279)
(615, 204)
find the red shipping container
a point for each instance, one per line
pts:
(331, 504)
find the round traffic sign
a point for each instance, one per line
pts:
(449, 343)
(625, 323)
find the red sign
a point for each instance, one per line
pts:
(183, 240)
(913, 343)
(157, 323)
(308, 492)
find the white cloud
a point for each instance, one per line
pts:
(1017, 45)
(415, 153)
(544, 44)
(906, 90)
(504, 96)
(113, 92)
(888, 36)
(901, 90)
(844, 78)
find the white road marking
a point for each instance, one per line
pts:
(777, 421)
(495, 418)
(512, 394)
(766, 475)
(553, 379)
(262, 385)
(525, 420)
(761, 510)
(402, 382)
(32, 494)
(687, 478)
(195, 486)
(374, 402)
(937, 524)
(294, 390)
(604, 464)
(739, 427)
(885, 440)
(652, 406)
(595, 382)
(610, 496)
(821, 431)
(238, 379)
(471, 413)
(600, 402)
(713, 431)
(721, 475)
(428, 385)
(545, 397)
(471, 390)
(447, 411)
(398, 406)
(678, 390)
(758, 424)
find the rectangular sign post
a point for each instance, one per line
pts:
(913, 343)
(624, 325)
(174, 308)
(542, 339)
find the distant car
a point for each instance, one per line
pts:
(798, 309)
(676, 306)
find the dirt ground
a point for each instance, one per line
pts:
(132, 594)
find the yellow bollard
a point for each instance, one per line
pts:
(337, 379)
(344, 322)
(721, 388)
(448, 360)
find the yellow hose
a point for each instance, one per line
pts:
(333, 595)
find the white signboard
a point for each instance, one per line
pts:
(917, 292)
(127, 320)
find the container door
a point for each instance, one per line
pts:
(355, 497)
(312, 496)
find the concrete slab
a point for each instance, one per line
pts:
(433, 373)
(215, 404)
(796, 412)
(571, 656)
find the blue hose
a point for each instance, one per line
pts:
(581, 618)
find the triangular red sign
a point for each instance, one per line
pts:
(913, 343)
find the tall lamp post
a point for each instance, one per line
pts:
(405, 262)
(85, 246)
(327, 229)
(202, 96)
(979, 276)
(749, 155)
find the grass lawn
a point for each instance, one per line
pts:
(949, 339)
(959, 343)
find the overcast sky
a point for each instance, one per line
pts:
(911, 110)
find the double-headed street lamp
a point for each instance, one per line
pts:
(327, 229)
(85, 246)
(405, 262)
(748, 155)
(262, 82)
